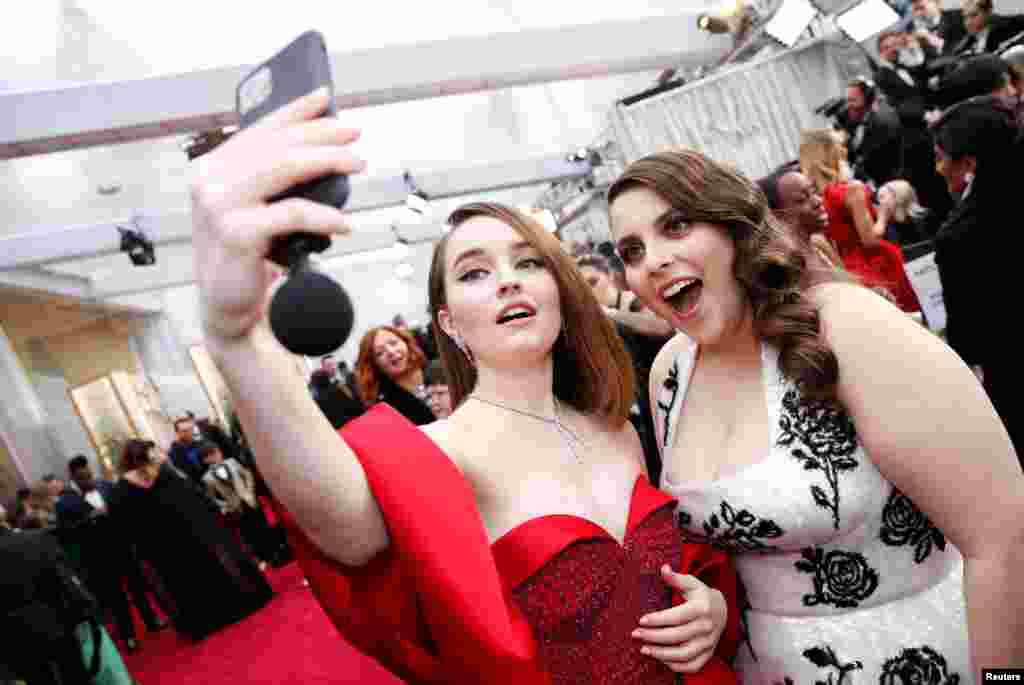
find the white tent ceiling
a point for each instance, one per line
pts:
(57, 43)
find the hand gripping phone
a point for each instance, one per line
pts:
(310, 314)
(297, 70)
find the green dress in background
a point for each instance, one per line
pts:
(112, 669)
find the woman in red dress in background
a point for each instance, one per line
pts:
(516, 541)
(854, 227)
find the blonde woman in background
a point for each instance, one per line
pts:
(907, 223)
(853, 226)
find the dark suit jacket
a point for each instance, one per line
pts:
(72, 507)
(879, 157)
(910, 100)
(1000, 29)
(951, 30)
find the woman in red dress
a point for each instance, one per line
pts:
(854, 227)
(517, 541)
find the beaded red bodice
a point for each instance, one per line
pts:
(584, 603)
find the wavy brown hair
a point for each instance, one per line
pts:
(367, 373)
(593, 371)
(773, 264)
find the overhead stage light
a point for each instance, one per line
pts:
(733, 16)
(139, 248)
(712, 24)
(417, 200)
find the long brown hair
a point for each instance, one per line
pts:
(593, 372)
(773, 264)
(367, 373)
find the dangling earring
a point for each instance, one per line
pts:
(461, 344)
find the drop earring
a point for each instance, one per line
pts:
(461, 344)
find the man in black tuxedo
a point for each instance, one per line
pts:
(986, 30)
(942, 29)
(83, 514)
(875, 135)
(902, 76)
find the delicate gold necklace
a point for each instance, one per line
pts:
(570, 438)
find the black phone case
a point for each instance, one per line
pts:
(297, 70)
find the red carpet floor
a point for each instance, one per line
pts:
(289, 641)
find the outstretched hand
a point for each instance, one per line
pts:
(233, 222)
(684, 637)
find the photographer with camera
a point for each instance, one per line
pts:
(872, 129)
(881, 147)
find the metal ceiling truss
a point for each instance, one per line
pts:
(94, 114)
(91, 114)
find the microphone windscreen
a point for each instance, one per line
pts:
(311, 314)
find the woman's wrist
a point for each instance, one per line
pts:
(222, 348)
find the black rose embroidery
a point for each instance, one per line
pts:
(824, 657)
(904, 524)
(917, 666)
(734, 530)
(841, 579)
(824, 439)
(671, 384)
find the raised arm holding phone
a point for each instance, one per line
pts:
(530, 487)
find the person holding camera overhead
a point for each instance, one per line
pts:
(515, 541)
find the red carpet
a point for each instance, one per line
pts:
(289, 641)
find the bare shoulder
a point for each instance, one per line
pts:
(447, 440)
(852, 310)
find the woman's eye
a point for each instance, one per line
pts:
(630, 254)
(472, 275)
(532, 263)
(677, 227)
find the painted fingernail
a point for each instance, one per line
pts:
(645, 650)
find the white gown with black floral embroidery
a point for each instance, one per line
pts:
(847, 582)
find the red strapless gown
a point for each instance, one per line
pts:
(552, 601)
(881, 265)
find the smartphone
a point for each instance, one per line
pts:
(297, 70)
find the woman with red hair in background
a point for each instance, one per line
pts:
(390, 369)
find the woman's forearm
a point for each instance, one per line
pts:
(643, 323)
(307, 464)
(995, 608)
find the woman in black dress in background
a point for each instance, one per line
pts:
(211, 582)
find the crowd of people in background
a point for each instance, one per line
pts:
(919, 160)
(196, 511)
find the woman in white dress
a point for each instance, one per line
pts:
(846, 455)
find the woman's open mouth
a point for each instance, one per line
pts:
(683, 296)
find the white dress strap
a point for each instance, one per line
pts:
(672, 394)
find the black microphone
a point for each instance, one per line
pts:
(310, 314)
